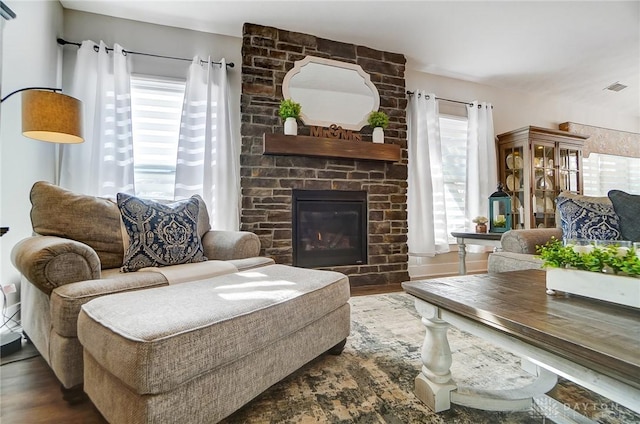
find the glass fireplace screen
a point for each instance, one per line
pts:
(329, 228)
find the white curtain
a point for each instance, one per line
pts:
(208, 160)
(426, 209)
(103, 164)
(482, 171)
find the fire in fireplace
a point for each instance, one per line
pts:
(329, 228)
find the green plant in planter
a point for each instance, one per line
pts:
(610, 259)
(378, 119)
(289, 109)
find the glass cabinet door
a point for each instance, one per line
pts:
(513, 180)
(544, 185)
(569, 169)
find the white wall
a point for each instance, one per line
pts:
(515, 109)
(30, 57)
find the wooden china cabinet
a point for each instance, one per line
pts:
(535, 165)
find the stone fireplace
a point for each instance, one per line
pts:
(269, 182)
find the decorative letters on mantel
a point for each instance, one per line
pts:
(335, 131)
(605, 140)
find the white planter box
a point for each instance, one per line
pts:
(612, 288)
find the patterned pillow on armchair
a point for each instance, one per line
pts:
(587, 217)
(160, 234)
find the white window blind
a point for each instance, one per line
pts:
(453, 133)
(156, 105)
(606, 172)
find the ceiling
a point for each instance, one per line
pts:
(571, 50)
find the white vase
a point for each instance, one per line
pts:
(378, 135)
(290, 126)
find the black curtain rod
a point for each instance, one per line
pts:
(447, 100)
(63, 42)
(5, 12)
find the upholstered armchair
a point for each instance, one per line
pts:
(77, 255)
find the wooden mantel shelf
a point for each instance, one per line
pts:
(301, 145)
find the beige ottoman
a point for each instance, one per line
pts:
(198, 351)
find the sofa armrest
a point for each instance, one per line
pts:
(525, 241)
(227, 245)
(49, 262)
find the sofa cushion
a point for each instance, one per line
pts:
(66, 301)
(509, 261)
(246, 264)
(587, 217)
(160, 234)
(59, 212)
(184, 273)
(627, 207)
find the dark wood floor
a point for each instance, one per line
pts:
(30, 392)
(367, 290)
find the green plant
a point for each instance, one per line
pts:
(378, 119)
(480, 220)
(610, 259)
(289, 109)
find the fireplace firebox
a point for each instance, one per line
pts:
(329, 228)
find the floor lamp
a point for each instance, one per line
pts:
(47, 116)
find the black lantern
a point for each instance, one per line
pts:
(499, 211)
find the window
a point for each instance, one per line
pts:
(606, 172)
(453, 134)
(156, 108)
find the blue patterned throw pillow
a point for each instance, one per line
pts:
(160, 234)
(587, 217)
(627, 207)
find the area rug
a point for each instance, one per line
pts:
(372, 380)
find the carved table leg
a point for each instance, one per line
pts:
(434, 383)
(462, 257)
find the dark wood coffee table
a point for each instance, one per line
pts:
(595, 344)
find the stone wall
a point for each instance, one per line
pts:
(268, 54)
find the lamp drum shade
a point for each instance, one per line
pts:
(51, 116)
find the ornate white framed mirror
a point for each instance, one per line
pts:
(331, 92)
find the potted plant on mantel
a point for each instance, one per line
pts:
(378, 121)
(610, 272)
(290, 112)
